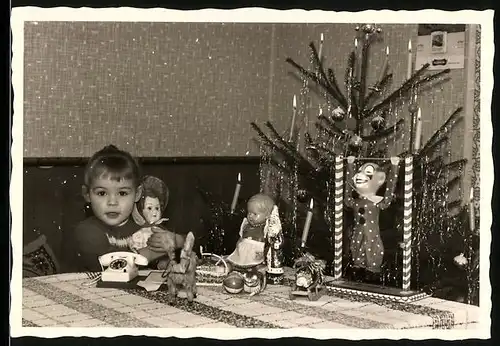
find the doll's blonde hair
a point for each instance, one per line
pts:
(264, 202)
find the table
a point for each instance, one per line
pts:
(62, 301)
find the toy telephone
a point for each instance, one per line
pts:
(121, 266)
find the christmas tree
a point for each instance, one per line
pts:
(299, 167)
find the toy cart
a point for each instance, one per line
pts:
(211, 269)
(308, 278)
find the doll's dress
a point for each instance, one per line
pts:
(249, 251)
(140, 238)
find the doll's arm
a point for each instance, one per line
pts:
(348, 200)
(391, 184)
(243, 227)
(153, 255)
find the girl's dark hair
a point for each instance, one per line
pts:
(112, 163)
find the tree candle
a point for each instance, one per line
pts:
(418, 131)
(292, 125)
(236, 193)
(384, 66)
(307, 224)
(472, 219)
(410, 61)
(320, 52)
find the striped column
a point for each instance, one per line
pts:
(407, 222)
(339, 210)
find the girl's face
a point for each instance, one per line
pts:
(152, 209)
(256, 214)
(112, 201)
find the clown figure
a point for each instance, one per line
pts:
(366, 246)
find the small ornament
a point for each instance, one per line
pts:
(233, 283)
(338, 114)
(413, 108)
(460, 260)
(355, 141)
(368, 28)
(302, 196)
(378, 123)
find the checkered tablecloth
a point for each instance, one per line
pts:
(64, 301)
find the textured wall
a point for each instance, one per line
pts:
(186, 89)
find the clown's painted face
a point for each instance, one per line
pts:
(152, 209)
(368, 179)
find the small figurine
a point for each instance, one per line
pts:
(183, 274)
(308, 278)
(366, 245)
(260, 241)
(148, 210)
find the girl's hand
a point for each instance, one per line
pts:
(161, 240)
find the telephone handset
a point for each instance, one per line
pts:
(121, 266)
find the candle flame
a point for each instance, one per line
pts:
(471, 196)
(356, 42)
(387, 50)
(239, 177)
(311, 204)
(409, 45)
(294, 101)
(419, 113)
(322, 37)
(320, 111)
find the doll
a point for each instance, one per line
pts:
(261, 226)
(148, 210)
(366, 245)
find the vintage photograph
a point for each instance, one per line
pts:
(271, 174)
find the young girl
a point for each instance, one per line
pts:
(261, 224)
(112, 186)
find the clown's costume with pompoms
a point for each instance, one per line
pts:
(367, 248)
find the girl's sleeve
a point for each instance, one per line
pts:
(348, 200)
(390, 187)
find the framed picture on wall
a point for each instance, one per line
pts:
(441, 45)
